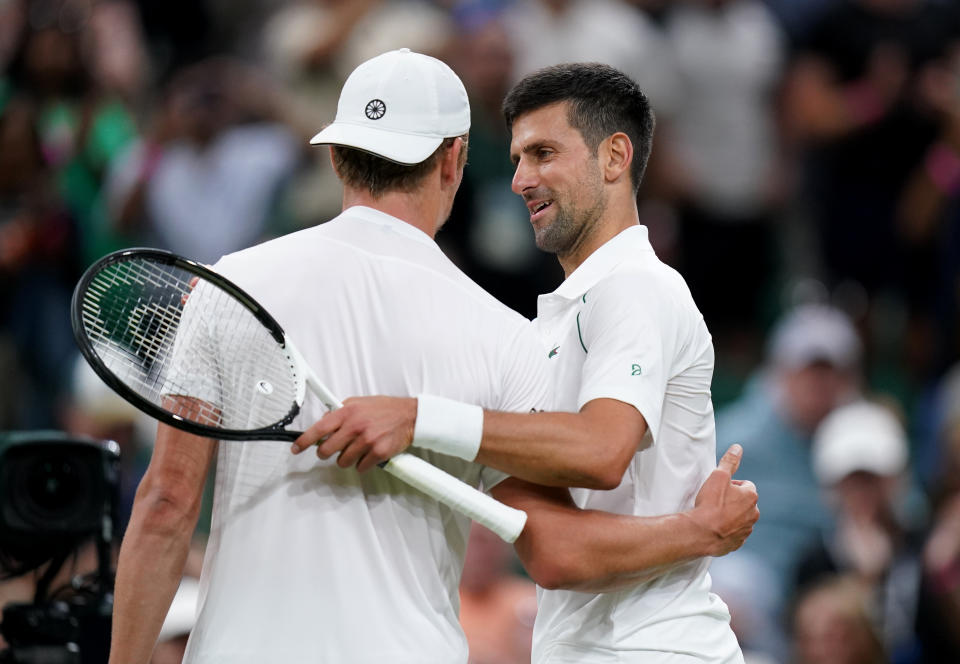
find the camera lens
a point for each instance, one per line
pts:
(55, 488)
(53, 484)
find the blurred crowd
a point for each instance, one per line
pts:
(805, 180)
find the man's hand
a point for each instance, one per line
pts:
(725, 507)
(365, 432)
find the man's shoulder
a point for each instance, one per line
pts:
(645, 282)
(646, 267)
(275, 249)
(335, 244)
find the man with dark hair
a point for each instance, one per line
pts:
(632, 364)
(298, 546)
(601, 101)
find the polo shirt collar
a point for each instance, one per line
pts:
(625, 245)
(395, 224)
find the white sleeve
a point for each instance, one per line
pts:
(193, 370)
(629, 330)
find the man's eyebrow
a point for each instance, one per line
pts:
(527, 149)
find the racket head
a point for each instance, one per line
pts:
(187, 346)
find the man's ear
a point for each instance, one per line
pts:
(333, 163)
(616, 155)
(450, 162)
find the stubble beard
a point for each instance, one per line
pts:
(572, 224)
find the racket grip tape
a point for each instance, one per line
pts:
(503, 520)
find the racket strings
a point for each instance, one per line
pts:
(187, 346)
(257, 387)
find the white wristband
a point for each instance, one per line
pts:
(448, 426)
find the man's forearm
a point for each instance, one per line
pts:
(590, 448)
(553, 449)
(563, 546)
(155, 546)
(617, 551)
(148, 573)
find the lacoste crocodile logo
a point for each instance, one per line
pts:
(556, 349)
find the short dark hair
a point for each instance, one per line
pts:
(602, 100)
(364, 170)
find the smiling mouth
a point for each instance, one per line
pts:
(539, 207)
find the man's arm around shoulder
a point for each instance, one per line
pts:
(590, 449)
(591, 551)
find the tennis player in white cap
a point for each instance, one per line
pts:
(308, 562)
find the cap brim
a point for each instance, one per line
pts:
(401, 148)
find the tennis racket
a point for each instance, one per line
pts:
(190, 348)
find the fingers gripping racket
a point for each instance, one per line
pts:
(190, 348)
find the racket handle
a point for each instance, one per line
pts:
(505, 521)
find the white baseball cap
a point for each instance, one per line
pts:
(400, 106)
(859, 436)
(815, 333)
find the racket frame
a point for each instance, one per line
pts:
(276, 431)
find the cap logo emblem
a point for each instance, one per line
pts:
(375, 109)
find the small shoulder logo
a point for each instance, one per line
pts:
(635, 370)
(375, 109)
(556, 349)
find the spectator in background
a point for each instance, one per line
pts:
(81, 127)
(928, 214)
(724, 148)
(942, 548)
(206, 183)
(549, 32)
(833, 623)
(71, 72)
(497, 605)
(860, 456)
(812, 367)
(852, 104)
(118, 51)
(38, 265)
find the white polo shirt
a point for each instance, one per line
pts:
(308, 562)
(623, 326)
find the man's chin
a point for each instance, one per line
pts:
(545, 241)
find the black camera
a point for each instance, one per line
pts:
(57, 493)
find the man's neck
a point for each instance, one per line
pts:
(418, 210)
